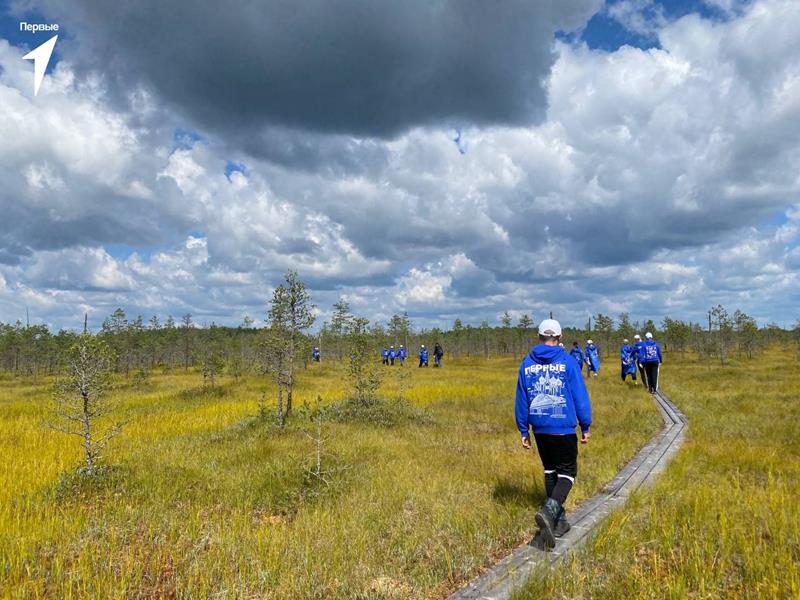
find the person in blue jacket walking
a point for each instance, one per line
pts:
(637, 346)
(627, 359)
(315, 355)
(552, 400)
(650, 357)
(392, 355)
(577, 354)
(385, 356)
(423, 356)
(592, 358)
(401, 355)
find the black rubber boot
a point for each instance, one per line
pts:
(562, 525)
(546, 520)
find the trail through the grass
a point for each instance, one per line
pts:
(511, 572)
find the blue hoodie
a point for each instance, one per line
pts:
(593, 357)
(650, 352)
(577, 354)
(628, 357)
(637, 350)
(551, 394)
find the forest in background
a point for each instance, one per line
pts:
(142, 345)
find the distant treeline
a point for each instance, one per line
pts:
(140, 344)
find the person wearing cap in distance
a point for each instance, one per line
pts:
(592, 358)
(423, 356)
(552, 400)
(315, 354)
(627, 361)
(392, 355)
(385, 355)
(637, 346)
(401, 355)
(650, 357)
(577, 354)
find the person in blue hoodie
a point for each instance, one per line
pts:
(423, 356)
(577, 354)
(592, 358)
(315, 354)
(637, 350)
(650, 357)
(552, 400)
(401, 355)
(392, 355)
(627, 359)
(385, 356)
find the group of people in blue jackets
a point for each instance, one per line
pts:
(389, 355)
(590, 356)
(643, 356)
(438, 353)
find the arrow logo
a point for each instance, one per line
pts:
(41, 58)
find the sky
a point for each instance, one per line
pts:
(444, 158)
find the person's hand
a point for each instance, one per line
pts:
(526, 442)
(585, 437)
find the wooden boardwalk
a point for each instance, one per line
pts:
(652, 459)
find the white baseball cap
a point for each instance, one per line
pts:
(625, 341)
(637, 337)
(648, 335)
(550, 327)
(589, 342)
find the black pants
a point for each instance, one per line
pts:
(651, 370)
(559, 454)
(642, 373)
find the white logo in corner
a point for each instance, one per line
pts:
(41, 58)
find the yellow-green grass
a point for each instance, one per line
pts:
(724, 520)
(207, 501)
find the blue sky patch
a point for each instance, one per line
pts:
(232, 167)
(9, 31)
(604, 32)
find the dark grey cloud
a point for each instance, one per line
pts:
(346, 66)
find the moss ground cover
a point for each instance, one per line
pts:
(203, 499)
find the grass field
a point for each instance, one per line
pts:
(724, 520)
(205, 500)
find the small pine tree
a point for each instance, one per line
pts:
(721, 321)
(290, 314)
(80, 401)
(362, 371)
